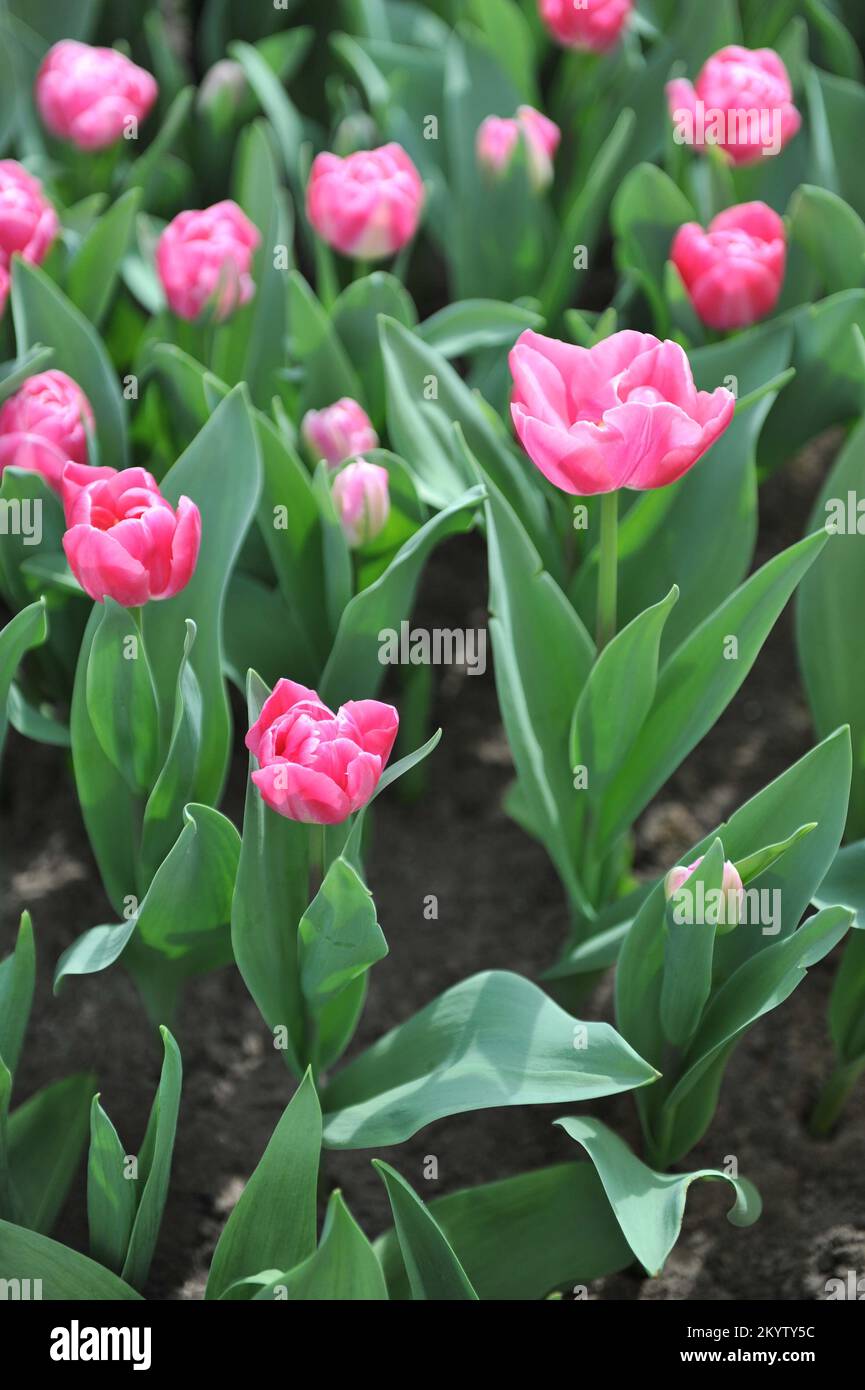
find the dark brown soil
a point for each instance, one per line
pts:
(499, 906)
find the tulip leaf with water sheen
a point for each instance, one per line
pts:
(28, 629)
(433, 1270)
(121, 698)
(64, 1275)
(697, 682)
(17, 982)
(543, 656)
(649, 1206)
(154, 1166)
(221, 473)
(344, 1268)
(354, 666)
(830, 652)
(45, 1138)
(273, 1224)
(339, 937)
(555, 1223)
(495, 1039)
(425, 396)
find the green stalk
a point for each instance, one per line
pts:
(833, 1097)
(607, 569)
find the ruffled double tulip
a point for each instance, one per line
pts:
(742, 101)
(204, 260)
(367, 205)
(594, 25)
(498, 137)
(361, 492)
(124, 539)
(28, 222)
(733, 271)
(92, 96)
(44, 426)
(337, 432)
(624, 413)
(316, 766)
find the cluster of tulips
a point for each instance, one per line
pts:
(237, 442)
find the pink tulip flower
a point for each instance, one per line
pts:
(734, 270)
(316, 766)
(594, 25)
(361, 492)
(44, 425)
(367, 205)
(92, 96)
(338, 431)
(624, 413)
(124, 540)
(742, 101)
(498, 136)
(28, 222)
(204, 259)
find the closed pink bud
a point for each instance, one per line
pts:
(742, 101)
(28, 222)
(316, 766)
(590, 24)
(734, 270)
(497, 139)
(338, 432)
(204, 259)
(624, 413)
(92, 96)
(367, 205)
(124, 539)
(731, 886)
(44, 426)
(362, 497)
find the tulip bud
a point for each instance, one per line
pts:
(497, 139)
(204, 258)
(44, 425)
(222, 90)
(362, 497)
(731, 887)
(90, 96)
(367, 205)
(734, 270)
(28, 222)
(338, 432)
(593, 25)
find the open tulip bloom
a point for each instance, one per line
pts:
(552, 288)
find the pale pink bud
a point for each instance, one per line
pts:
(361, 492)
(338, 432)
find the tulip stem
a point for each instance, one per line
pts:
(833, 1098)
(607, 569)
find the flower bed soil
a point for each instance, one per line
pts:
(499, 907)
